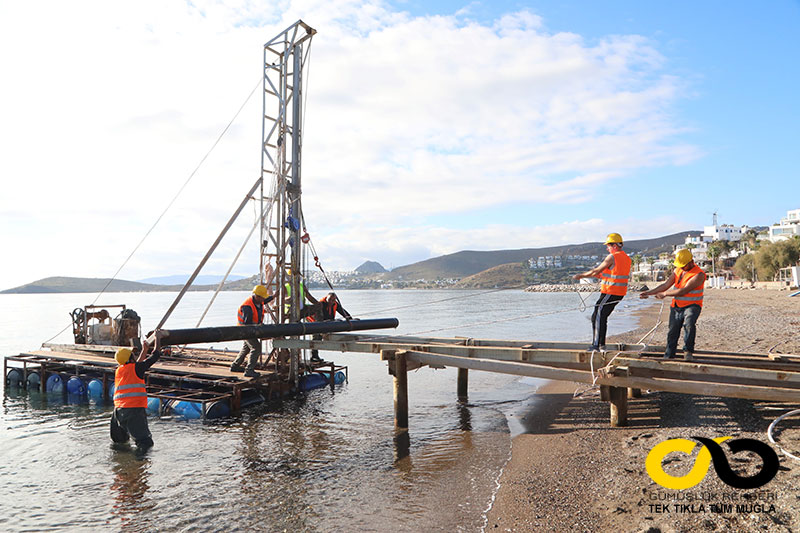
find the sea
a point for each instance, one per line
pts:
(323, 460)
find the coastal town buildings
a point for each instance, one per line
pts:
(788, 227)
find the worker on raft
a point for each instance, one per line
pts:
(130, 395)
(304, 295)
(685, 285)
(251, 312)
(614, 273)
(322, 311)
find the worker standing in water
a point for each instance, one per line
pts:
(614, 273)
(251, 312)
(130, 396)
(685, 285)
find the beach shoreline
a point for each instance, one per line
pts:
(570, 471)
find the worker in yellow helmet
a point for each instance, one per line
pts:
(129, 418)
(685, 285)
(614, 272)
(251, 312)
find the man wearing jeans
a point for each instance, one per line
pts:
(687, 282)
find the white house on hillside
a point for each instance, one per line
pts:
(787, 228)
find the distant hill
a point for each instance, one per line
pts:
(468, 262)
(371, 267)
(181, 279)
(65, 284)
(500, 276)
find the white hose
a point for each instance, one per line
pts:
(772, 426)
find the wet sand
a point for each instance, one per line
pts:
(570, 471)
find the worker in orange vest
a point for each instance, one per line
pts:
(614, 272)
(685, 285)
(130, 396)
(322, 311)
(251, 312)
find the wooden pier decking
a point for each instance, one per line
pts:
(621, 372)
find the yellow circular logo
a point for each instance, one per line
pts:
(654, 467)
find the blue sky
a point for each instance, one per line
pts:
(431, 127)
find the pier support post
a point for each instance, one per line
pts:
(400, 391)
(634, 393)
(463, 381)
(618, 397)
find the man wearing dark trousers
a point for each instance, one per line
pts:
(614, 273)
(685, 285)
(251, 312)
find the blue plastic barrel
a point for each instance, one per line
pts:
(76, 386)
(95, 389)
(338, 377)
(15, 377)
(34, 381)
(186, 409)
(218, 409)
(55, 383)
(312, 381)
(110, 388)
(153, 405)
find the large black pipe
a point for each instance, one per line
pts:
(267, 331)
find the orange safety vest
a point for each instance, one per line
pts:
(129, 389)
(682, 278)
(615, 281)
(258, 312)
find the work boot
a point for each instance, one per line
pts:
(687, 356)
(315, 359)
(237, 368)
(666, 356)
(250, 373)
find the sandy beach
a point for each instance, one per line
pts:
(570, 471)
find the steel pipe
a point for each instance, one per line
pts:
(266, 331)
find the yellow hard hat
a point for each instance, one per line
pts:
(122, 355)
(260, 290)
(613, 238)
(683, 258)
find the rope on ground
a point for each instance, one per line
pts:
(772, 427)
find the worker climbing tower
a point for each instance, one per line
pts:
(286, 61)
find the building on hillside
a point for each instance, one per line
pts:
(787, 228)
(558, 261)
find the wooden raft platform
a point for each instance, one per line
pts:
(191, 374)
(621, 372)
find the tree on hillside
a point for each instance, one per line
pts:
(651, 261)
(636, 260)
(749, 241)
(774, 256)
(745, 267)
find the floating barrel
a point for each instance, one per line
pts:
(95, 389)
(318, 380)
(186, 409)
(34, 381)
(56, 383)
(76, 386)
(338, 377)
(15, 377)
(218, 409)
(153, 406)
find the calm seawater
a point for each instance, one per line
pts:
(321, 461)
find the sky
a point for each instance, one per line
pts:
(430, 127)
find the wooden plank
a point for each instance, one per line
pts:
(167, 366)
(687, 369)
(681, 386)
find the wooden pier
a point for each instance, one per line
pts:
(621, 372)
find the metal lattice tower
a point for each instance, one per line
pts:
(285, 62)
